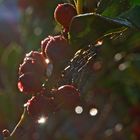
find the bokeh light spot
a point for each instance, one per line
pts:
(37, 31)
(42, 120)
(29, 10)
(97, 65)
(108, 132)
(118, 56)
(79, 109)
(118, 127)
(123, 66)
(93, 111)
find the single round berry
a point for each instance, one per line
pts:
(64, 14)
(57, 49)
(35, 62)
(40, 106)
(30, 83)
(5, 133)
(67, 97)
(33, 66)
(37, 56)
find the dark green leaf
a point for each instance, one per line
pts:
(114, 7)
(11, 55)
(133, 16)
(135, 2)
(89, 27)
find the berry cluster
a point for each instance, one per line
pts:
(39, 66)
(32, 72)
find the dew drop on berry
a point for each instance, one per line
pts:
(20, 87)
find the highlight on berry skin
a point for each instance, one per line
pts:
(42, 120)
(47, 60)
(20, 87)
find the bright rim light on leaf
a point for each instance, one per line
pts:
(42, 120)
(93, 111)
(78, 109)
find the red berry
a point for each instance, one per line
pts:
(44, 44)
(35, 62)
(64, 14)
(67, 97)
(32, 65)
(37, 56)
(33, 71)
(57, 49)
(30, 83)
(40, 106)
(6, 133)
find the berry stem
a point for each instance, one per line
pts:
(79, 6)
(75, 2)
(19, 123)
(18, 128)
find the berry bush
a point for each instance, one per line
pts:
(82, 81)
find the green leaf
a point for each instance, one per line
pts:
(87, 28)
(10, 61)
(133, 16)
(11, 56)
(135, 2)
(113, 8)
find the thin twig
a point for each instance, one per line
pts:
(18, 130)
(75, 2)
(19, 123)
